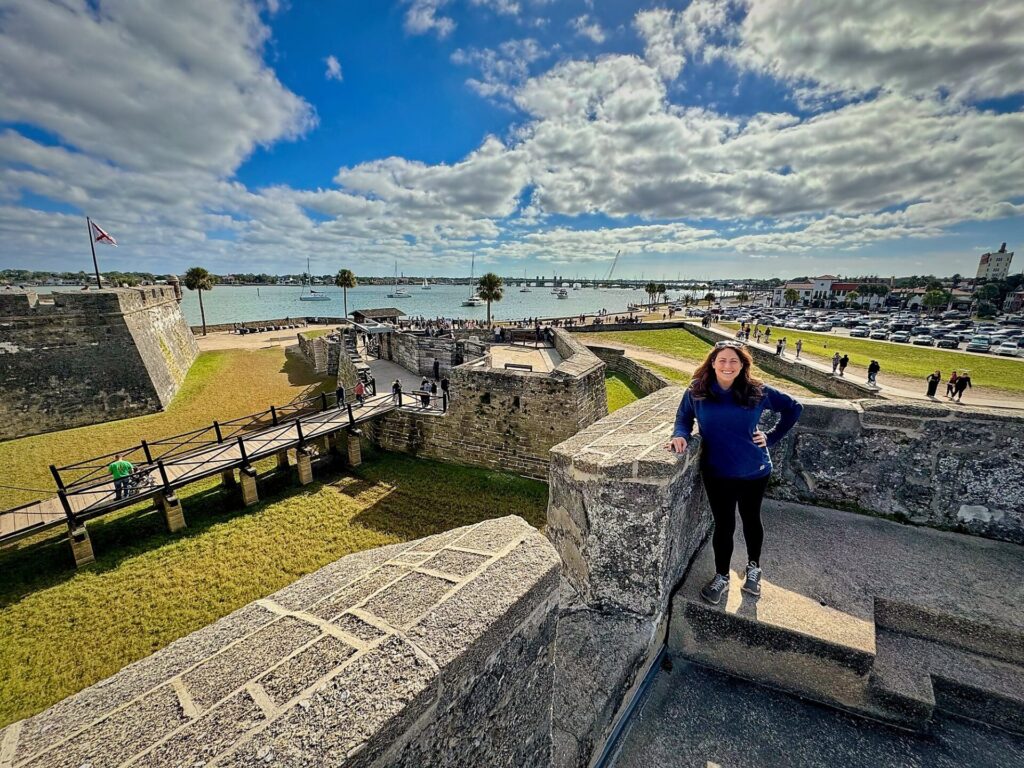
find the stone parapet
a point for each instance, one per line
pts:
(646, 380)
(951, 467)
(626, 517)
(435, 652)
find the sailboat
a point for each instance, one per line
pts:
(525, 287)
(312, 295)
(426, 286)
(473, 300)
(398, 292)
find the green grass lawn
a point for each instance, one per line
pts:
(905, 359)
(220, 385)
(316, 333)
(63, 629)
(621, 390)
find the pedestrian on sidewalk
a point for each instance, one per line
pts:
(835, 363)
(425, 393)
(951, 385)
(778, 348)
(757, 335)
(963, 381)
(933, 383)
(767, 335)
(396, 391)
(843, 362)
(873, 370)
(120, 470)
(799, 346)
(361, 392)
(727, 401)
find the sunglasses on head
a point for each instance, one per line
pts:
(733, 344)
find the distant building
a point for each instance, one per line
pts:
(994, 266)
(826, 290)
(1014, 301)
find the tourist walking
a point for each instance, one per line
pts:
(963, 382)
(767, 335)
(843, 362)
(799, 346)
(873, 370)
(361, 392)
(951, 384)
(778, 348)
(727, 400)
(933, 383)
(835, 363)
(339, 394)
(396, 391)
(121, 470)
(425, 393)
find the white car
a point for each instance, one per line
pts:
(1008, 349)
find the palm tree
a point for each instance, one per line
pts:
(742, 297)
(198, 279)
(489, 289)
(709, 297)
(852, 297)
(345, 279)
(791, 296)
(651, 289)
(662, 290)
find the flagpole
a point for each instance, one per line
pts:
(92, 244)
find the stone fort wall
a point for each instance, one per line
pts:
(89, 357)
(503, 419)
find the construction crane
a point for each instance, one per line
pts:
(614, 262)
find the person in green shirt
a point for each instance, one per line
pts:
(121, 470)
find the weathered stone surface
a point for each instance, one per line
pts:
(358, 628)
(454, 563)
(119, 736)
(291, 676)
(494, 535)
(242, 661)
(203, 739)
(358, 590)
(408, 598)
(912, 461)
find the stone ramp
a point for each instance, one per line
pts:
(883, 620)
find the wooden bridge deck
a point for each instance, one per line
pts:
(187, 468)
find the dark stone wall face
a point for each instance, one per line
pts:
(89, 358)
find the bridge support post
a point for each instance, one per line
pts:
(304, 462)
(171, 507)
(334, 444)
(247, 479)
(81, 545)
(227, 477)
(354, 452)
(282, 460)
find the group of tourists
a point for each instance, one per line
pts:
(957, 384)
(426, 391)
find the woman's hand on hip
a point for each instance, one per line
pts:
(760, 439)
(677, 445)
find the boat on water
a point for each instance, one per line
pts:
(525, 288)
(563, 294)
(473, 300)
(308, 294)
(398, 292)
(426, 286)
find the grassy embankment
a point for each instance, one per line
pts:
(621, 391)
(63, 629)
(689, 350)
(907, 360)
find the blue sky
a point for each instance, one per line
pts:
(712, 138)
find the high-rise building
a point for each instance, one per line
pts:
(994, 266)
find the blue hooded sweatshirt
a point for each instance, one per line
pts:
(727, 429)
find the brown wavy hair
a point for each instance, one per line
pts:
(747, 389)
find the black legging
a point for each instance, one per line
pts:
(724, 494)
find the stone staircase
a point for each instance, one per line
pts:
(878, 619)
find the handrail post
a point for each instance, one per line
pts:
(351, 418)
(298, 428)
(56, 476)
(241, 447)
(273, 415)
(323, 401)
(67, 508)
(163, 475)
(216, 429)
(145, 450)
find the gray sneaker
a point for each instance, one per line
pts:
(752, 582)
(715, 588)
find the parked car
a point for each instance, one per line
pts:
(860, 332)
(948, 342)
(979, 344)
(900, 337)
(1008, 349)
(923, 340)
(880, 334)
(804, 326)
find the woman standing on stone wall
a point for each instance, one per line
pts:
(727, 400)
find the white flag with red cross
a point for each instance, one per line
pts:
(102, 237)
